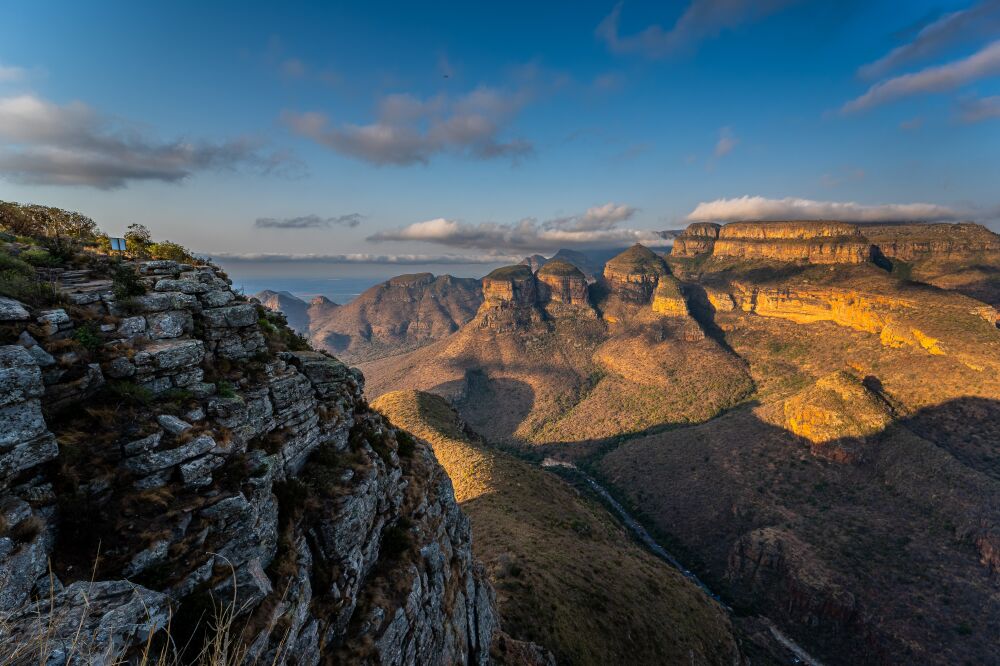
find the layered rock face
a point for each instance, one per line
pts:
(668, 299)
(212, 469)
(837, 242)
(510, 299)
(633, 275)
(813, 242)
(917, 242)
(564, 283)
(698, 238)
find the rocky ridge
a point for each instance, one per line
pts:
(225, 466)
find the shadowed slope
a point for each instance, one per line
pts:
(565, 573)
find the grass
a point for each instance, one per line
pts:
(560, 268)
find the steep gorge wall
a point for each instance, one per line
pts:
(208, 467)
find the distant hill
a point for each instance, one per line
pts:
(294, 308)
(400, 314)
(590, 262)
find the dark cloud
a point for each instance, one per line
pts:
(45, 143)
(309, 222)
(411, 130)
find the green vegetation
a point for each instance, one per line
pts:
(560, 268)
(89, 336)
(126, 282)
(516, 272)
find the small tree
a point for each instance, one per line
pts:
(138, 240)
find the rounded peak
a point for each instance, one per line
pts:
(508, 273)
(638, 259)
(560, 268)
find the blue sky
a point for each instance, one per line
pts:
(407, 134)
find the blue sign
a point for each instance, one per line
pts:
(118, 244)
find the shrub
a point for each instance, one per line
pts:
(224, 389)
(11, 263)
(126, 283)
(89, 336)
(39, 258)
(15, 284)
(169, 250)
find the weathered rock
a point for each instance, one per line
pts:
(11, 310)
(231, 316)
(147, 463)
(632, 276)
(130, 327)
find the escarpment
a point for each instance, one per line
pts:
(179, 450)
(822, 242)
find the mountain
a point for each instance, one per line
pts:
(400, 314)
(805, 411)
(590, 262)
(295, 309)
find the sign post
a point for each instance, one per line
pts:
(119, 245)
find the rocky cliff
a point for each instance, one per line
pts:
(563, 283)
(187, 468)
(632, 276)
(821, 242)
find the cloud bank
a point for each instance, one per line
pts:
(361, 258)
(982, 20)
(597, 227)
(45, 143)
(789, 208)
(10, 73)
(309, 222)
(703, 19)
(940, 78)
(411, 130)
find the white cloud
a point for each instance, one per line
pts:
(978, 110)
(411, 130)
(703, 19)
(727, 141)
(985, 62)
(982, 20)
(597, 227)
(72, 144)
(789, 208)
(360, 258)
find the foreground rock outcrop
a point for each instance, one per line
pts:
(180, 451)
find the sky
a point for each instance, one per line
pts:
(379, 138)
